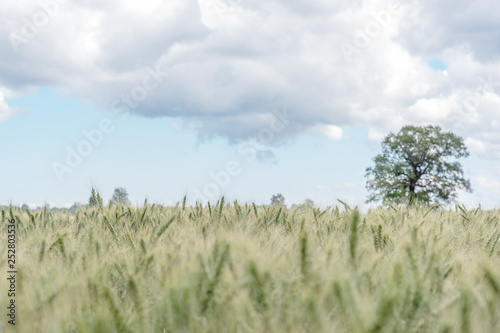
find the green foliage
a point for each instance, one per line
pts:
(120, 196)
(353, 237)
(418, 164)
(278, 200)
(244, 268)
(95, 199)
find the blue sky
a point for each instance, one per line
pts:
(158, 159)
(262, 97)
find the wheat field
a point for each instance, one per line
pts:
(242, 268)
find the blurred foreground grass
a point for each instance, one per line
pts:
(242, 268)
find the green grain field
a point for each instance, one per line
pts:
(233, 267)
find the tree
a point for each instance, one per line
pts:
(120, 196)
(418, 163)
(74, 208)
(308, 203)
(278, 200)
(92, 200)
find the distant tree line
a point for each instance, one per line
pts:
(120, 197)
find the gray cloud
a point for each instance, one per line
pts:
(267, 156)
(432, 27)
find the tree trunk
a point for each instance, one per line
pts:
(413, 184)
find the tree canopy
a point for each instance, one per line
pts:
(120, 196)
(418, 163)
(278, 200)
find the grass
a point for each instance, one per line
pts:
(243, 268)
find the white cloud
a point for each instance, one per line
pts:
(475, 146)
(5, 110)
(230, 63)
(330, 131)
(485, 184)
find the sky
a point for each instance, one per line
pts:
(239, 98)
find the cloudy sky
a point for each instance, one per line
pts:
(245, 98)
